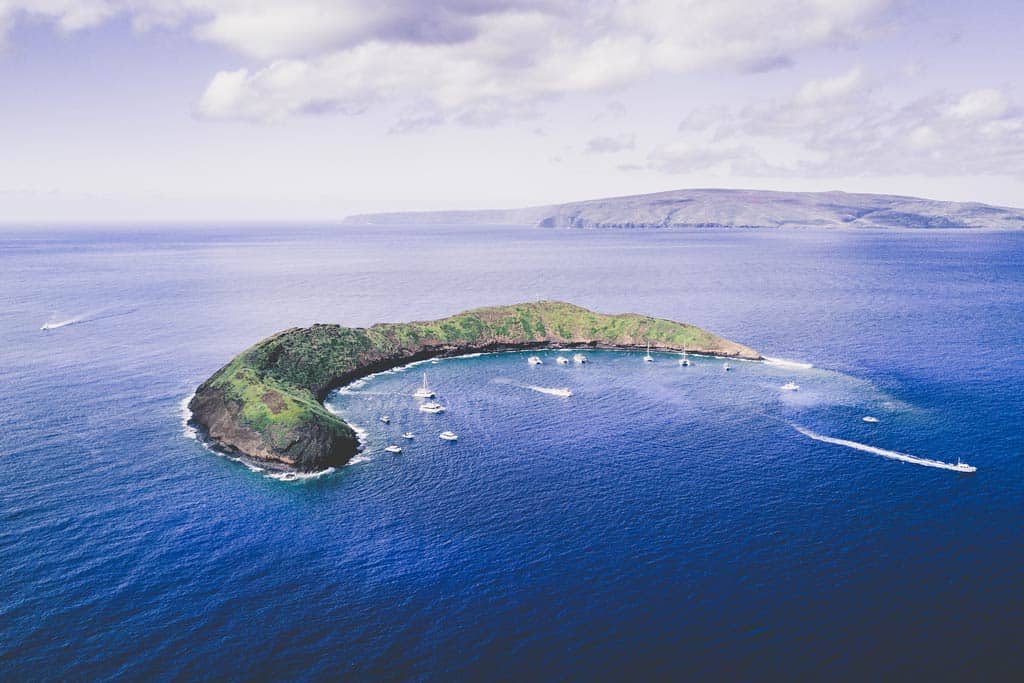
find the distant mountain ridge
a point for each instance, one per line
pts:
(718, 208)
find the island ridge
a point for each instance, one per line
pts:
(267, 403)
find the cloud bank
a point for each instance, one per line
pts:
(464, 59)
(841, 126)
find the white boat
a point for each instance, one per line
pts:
(385, 419)
(562, 360)
(432, 407)
(534, 360)
(553, 391)
(868, 418)
(963, 467)
(393, 449)
(424, 391)
(648, 358)
(790, 386)
(683, 360)
(726, 367)
(449, 436)
(579, 359)
(408, 435)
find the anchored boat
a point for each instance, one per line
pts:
(424, 391)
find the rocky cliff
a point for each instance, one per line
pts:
(267, 402)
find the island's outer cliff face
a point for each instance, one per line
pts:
(267, 402)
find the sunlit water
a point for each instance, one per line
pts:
(662, 519)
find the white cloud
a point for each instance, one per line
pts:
(610, 145)
(462, 56)
(840, 127)
(980, 104)
(835, 88)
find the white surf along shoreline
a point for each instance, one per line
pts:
(362, 435)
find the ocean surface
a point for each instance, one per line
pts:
(663, 521)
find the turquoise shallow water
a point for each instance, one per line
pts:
(662, 520)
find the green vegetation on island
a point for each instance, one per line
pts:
(267, 402)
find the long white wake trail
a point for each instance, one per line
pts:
(892, 455)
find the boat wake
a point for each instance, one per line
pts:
(892, 455)
(551, 391)
(791, 364)
(86, 318)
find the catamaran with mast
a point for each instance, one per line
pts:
(424, 391)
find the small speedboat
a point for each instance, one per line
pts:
(579, 359)
(408, 435)
(385, 419)
(393, 449)
(534, 360)
(449, 436)
(432, 407)
(869, 418)
(562, 360)
(790, 386)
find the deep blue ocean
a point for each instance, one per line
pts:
(660, 522)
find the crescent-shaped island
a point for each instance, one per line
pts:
(267, 403)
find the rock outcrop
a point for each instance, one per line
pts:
(267, 403)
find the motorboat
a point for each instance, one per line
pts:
(579, 359)
(790, 386)
(534, 360)
(393, 449)
(869, 418)
(449, 436)
(385, 419)
(408, 435)
(424, 391)
(562, 360)
(963, 467)
(432, 407)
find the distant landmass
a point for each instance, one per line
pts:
(710, 208)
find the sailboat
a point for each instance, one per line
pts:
(683, 360)
(648, 358)
(424, 391)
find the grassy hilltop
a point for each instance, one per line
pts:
(267, 402)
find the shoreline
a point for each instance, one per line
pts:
(267, 404)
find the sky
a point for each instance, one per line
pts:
(310, 110)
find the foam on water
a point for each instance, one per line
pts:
(790, 364)
(187, 430)
(299, 476)
(551, 391)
